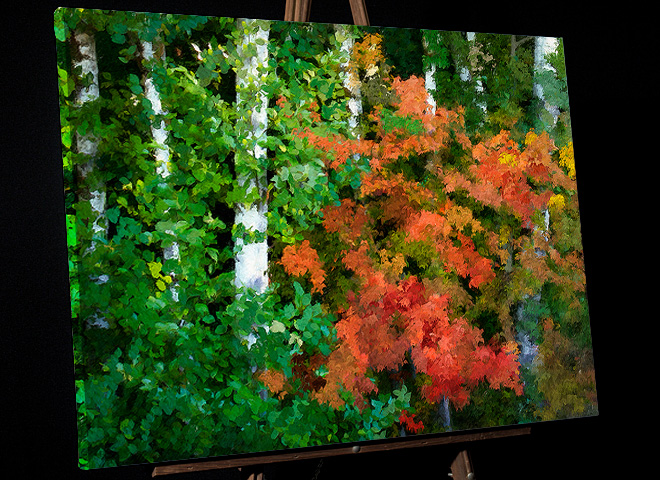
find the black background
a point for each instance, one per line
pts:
(610, 61)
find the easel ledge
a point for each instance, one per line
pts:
(456, 438)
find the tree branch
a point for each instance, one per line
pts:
(516, 43)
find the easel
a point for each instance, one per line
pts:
(461, 466)
(298, 11)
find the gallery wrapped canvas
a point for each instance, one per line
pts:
(287, 235)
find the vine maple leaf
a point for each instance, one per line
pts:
(300, 259)
(409, 421)
(348, 219)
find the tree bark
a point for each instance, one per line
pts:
(429, 82)
(351, 81)
(524, 336)
(466, 76)
(84, 57)
(158, 130)
(542, 47)
(515, 43)
(155, 52)
(429, 76)
(251, 254)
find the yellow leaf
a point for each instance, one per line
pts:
(530, 137)
(567, 159)
(508, 159)
(154, 268)
(557, 202)
(277, 327)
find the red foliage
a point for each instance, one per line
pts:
(409, 422)
(392, 319)
(348, 219)
(387, 320)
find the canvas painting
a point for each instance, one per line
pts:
(285, 235)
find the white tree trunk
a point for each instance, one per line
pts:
(528, 346)
(84, 57)
(158, 130)
(466, 76)
(351, 81)
(251, 257)
(160, 136)
(429, 79)
(542, 47)
(429, 82)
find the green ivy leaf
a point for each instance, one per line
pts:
(118, 38)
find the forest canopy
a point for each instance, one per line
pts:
(284, 235)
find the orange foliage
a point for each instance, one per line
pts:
(502, 174)
(348, 219)
(301, 259)
(367, 52)
(274, 381)
(345, 373)
(392, 319)
(339, 148)
(463, 259)
(397, 142)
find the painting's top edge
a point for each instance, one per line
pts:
(361, 27)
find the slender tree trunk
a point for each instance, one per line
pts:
(542, 47)
(252, 104)
(526, 323)
(429, 82)
(429, 76)
(251, 247)
(466, 76)
(351, 81)
(84, 58)
(158, 129)
(155, 52)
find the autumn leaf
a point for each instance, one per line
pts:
(409, 421)
(301, 259)
(274, 381)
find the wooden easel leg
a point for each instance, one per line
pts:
(461, 467)
(252, 475)
(359, 11)
(297, 10)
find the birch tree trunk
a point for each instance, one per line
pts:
(84, 58)
(542, 47)
(158, 130)
(251, 245)
(526, 323)
(466, 74)
(429, 82)
(429, 76)
(155, 52)
(351, 81)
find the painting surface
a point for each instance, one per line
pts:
(285, 235)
